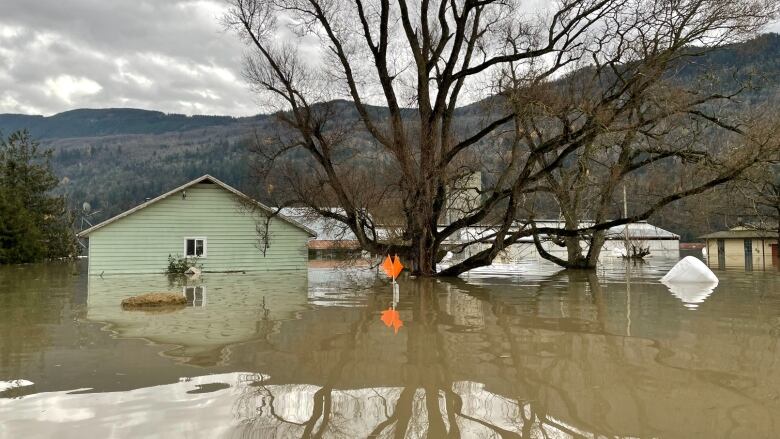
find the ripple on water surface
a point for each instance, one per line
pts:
(527, 350)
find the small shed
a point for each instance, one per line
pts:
(206, 221)
(742, 246)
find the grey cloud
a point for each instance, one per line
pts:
(168, 55)
(172, 56)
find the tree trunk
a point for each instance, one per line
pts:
(422, 230)
(778, 228)
(573, 249)
(576, 260)
(594, 250)
(423, 254)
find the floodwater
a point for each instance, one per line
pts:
(527, 352)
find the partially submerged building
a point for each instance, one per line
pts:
(742, 247)
(465, 198)
(204, 220)
(334, 239)
(658, 241)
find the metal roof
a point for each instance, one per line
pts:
(327, 229)
(641, 230)
(740, 233)
(202, 179)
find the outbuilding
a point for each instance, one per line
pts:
(206, 221)
(742, 246)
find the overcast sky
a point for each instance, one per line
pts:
(167, 55)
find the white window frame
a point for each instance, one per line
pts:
(196, 238)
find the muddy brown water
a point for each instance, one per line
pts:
(515, 352)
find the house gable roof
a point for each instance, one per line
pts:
(205, 178)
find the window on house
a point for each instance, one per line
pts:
(195, 247)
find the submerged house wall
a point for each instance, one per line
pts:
(734, 253)
(142, 241)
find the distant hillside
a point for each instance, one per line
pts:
(115, 158)
(760, 55)
(109, 121)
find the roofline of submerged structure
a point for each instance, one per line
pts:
(207, 177)
(740, 234)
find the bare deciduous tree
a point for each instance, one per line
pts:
(424, 62)
(758, 202)
(654, 133)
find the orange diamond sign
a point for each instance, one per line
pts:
(392, 266)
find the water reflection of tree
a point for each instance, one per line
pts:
(253, 419)
(520, 324)
(430, 403)
(552, 360)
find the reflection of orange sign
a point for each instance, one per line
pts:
(391, 317)
(392, 266)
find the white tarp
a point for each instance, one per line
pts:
(690, 270)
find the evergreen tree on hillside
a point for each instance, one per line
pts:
(34, 224)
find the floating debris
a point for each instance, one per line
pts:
(154, 300)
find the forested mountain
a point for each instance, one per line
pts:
(90, 122)
(115, 158)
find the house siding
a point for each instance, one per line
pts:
(734, 251)
(142, 241)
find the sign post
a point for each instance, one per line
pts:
(392, 268)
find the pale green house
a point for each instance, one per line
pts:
(204, 220)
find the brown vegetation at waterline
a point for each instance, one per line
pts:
(154, 300)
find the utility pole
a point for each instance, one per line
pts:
(625, 215)
(628, 266)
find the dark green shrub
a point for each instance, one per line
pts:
(178, 265)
